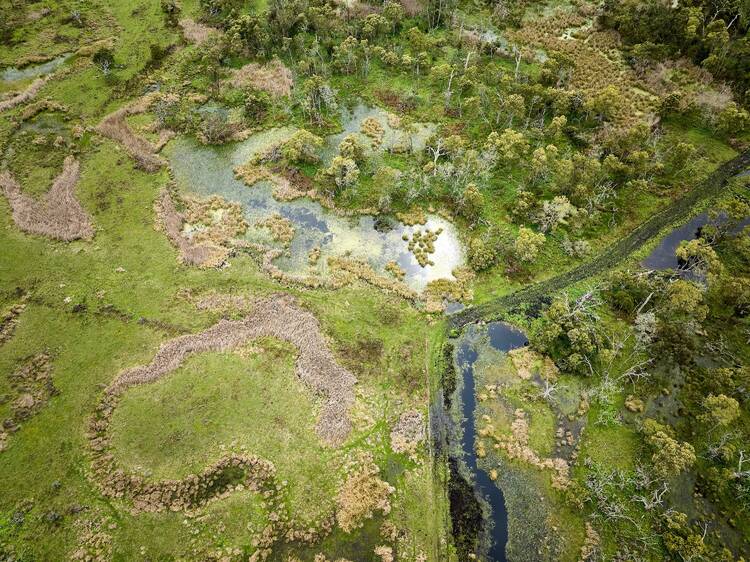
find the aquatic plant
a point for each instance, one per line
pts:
(170, 221)
(282, 229)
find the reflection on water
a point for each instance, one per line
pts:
(409, 138)
(208, 170)
(13, 74)
(663, 256)
(503, 338)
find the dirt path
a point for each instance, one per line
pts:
(615, 253)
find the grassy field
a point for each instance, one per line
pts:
(74, 315)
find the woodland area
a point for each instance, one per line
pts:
(347, 280)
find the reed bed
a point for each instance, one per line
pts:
(115, 127)
(58, 215)
(280, 317)
(170, 221)
(22, 97)
(277, 317)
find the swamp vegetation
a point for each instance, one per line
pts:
(348, 280)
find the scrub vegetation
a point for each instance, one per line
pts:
(239, 239)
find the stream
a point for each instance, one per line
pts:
(12, 74)
(502, 337)
(663, 255)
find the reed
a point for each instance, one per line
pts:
(58, 214)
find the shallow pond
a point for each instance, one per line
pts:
(208, 170)
(502, 337)
(12, 74)
(663, 256)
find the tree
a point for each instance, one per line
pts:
(286, 16)
(249, 33)
(698, 256)
(555, 213)
(670, 456)
(439, 12)
(256, 105)
(557, 125)
(374, 25)
(510, 145)
(213, 51)
(604, 103)
(318, 99)
(346, 55)
(302, 147)
(481, 254)
(720, 410)
(351, 147)
(471, 202)
(344, 173)
(394, 13)
(386, 186)
(733, 120)
(104, 59)
(527, 244)
(684, 304)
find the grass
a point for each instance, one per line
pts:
(614, 447)
(216, 402)
(122, 317)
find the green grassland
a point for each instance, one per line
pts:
(98, 307)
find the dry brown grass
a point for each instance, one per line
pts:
(114, 127)
(58, 215)
(598, 62)
(31, 388)
(277, 317)
(22, 97)
(9, 321)
(362, 494)
(195, 32)
(411, 7)
(34, 109)
(273, 78)
(408, 432)
(191, 252)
